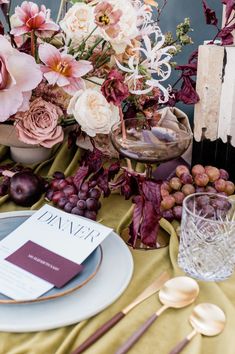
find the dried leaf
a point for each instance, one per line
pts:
(226, 35)
(80, 175)
(150, 225)
(152, 192)
(136, 220)
(94, 159)
(230, 6)
(187, 94)
(210, 15)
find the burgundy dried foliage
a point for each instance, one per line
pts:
(130, 111)
(94, 159)
(136, 219)
(80, 176)
(187, 93)
(104, 175)
(147, 214)
(230, 6)
(149, 225)
(226, 35)
(210, 15)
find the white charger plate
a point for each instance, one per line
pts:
(109, 283)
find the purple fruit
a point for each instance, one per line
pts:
(58, 175)
(49, 194)
(73, 199)
(90, 215)
(62, 202)
(69, 190)
(25, 188)
(168, 215)
(177, 212)
(92, 204)
(81, 204)
(77, 211)
(95, 193)
(68, 207)
(224, 174)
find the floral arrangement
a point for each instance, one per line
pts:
(95, 66)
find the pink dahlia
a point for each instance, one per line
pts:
(62, 69)
(19, 75)
(30, 18)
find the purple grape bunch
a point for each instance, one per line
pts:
(66, 196)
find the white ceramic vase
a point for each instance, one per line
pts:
(21, 152)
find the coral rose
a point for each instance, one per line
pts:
(39, 125)
(19, 75)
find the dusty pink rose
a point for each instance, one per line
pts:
(29, 17)
(39, 125)
(4, 2)
(19, 75)
(114, 89)
(62, 69)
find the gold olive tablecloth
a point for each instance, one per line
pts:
(165, 332)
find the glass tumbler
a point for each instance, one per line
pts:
(207, 238)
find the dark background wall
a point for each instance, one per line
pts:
(174, 13)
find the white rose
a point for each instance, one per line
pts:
(93, 112)
(128, 29)
(78, 21)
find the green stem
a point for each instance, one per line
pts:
(90, 51)
(93, 82)
(83, 44)
(102, 56)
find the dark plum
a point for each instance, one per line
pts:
(25, 188)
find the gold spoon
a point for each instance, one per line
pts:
(207, 319)
(176, 293)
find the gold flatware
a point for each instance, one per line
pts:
(207, 319)
(176, 293)
(150, 290)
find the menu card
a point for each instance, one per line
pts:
(47, 250)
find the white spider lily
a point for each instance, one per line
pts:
(132, 70)
(155, 56)
(156, 83)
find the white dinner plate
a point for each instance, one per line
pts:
(109, 283)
